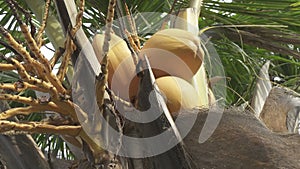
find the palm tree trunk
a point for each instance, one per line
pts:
(20, 151)
(242, 141)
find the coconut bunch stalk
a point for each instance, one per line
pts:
(189, 21)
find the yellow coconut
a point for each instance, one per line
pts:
(174, 51)
(179, 94)
(121, 69)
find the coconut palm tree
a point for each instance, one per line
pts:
(44, 99)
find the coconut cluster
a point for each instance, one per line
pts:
(175, 56)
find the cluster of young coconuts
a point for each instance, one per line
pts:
(175, 56)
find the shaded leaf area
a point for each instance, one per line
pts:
(245, 35)
(19, 152)
(264, 38)
(242, 141)
(54, 146)
(94, 17)
(9, 20)
(242, 64)
(252, 12)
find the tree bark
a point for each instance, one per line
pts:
(242, 141)
(20, 151)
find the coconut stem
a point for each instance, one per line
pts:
(196, 4)
(102, 78)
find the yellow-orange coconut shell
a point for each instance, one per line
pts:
(175, 51)
(179, 94)
(121, 69)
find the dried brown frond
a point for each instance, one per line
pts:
(39, 39)
(58, 53)
(134, 36)
(32, 44)
(132, 42)
(40, 70)
(21, 111)
(6, 67)
(102, 78)
(24, 12)
(35, 73)
(39, 127)
(78, 18)
(70, 46)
